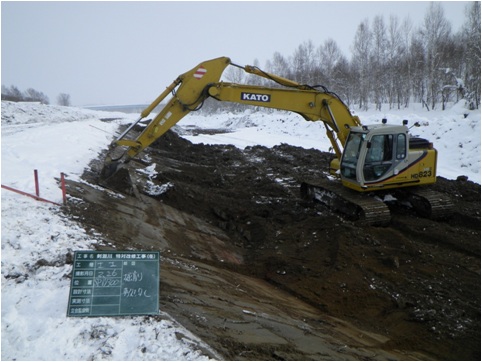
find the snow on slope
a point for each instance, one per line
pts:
(36, 236)
(52, 140)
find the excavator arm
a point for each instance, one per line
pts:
(192, 88)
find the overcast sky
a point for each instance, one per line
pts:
(129, 52)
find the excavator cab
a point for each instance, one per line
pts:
(382, 157)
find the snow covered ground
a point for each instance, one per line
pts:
(36, 237)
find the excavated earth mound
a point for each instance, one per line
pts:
(261, 274)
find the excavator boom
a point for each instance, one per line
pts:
(311, 104)
(188, 95)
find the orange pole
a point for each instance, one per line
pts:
(62, 183)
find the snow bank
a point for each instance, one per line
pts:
(37, 238)
(455, 133)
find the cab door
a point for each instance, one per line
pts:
(384, 157)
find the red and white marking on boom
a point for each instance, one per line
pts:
(200, 72)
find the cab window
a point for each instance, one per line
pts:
(350, 155)
(401, 146)
(379, 157)
(380, 148)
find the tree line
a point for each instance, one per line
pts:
(392, 62)
(14, 94)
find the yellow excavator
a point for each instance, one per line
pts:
(369, 159)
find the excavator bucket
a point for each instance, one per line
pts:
(109, 169)
(116, 176)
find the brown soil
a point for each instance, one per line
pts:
(258, 273)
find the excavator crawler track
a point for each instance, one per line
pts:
(428, 203)
(354, 206)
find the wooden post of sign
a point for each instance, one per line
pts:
(37, 188)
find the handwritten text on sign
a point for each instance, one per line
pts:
(114, 283)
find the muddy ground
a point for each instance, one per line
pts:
(261, 274)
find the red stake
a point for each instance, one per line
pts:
(62, 183)
(29, 195)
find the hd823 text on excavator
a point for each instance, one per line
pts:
(368, 159)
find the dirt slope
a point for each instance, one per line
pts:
(261, 274)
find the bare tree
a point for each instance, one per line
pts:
(12, 93)
(394, 61)
(378, 60)
(234, 75)
(435, 33)
(329, 55)
(343, 80)
(279, 66)
(63, 99)
(471, 40)
(303, 62)
(32, 95)
(404, 80)
(361, 62)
